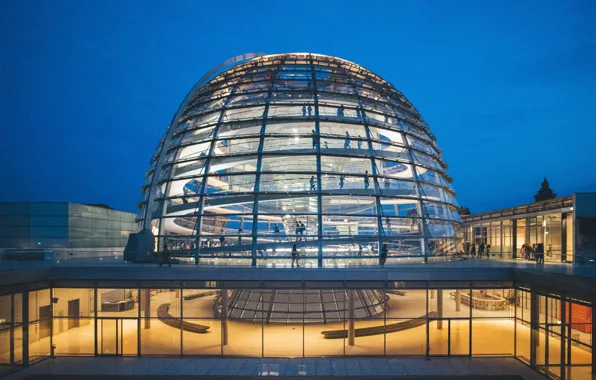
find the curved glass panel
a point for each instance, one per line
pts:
(303, 153)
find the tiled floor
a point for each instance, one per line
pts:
(280, 367)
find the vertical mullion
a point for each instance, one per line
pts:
(385, 324)
(303, 312)
(501, 241)
(157, 173)
(448, 336)
(379, 206)
(514, 241)
(592, 341)
(181, 294)
(118, 336)
(206, 168)
(11, 360)
(546, 326)
(427, 327)
(421, 208)
(262, 321)
(374, 171)
(25, 327)
(95, 317)
(470, 288)
(138, 319)
(534, 318)
(257, 187)
(515, 320)
(563, 316)
(52, 322)
(318, 158)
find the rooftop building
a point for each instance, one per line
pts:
(299, 151)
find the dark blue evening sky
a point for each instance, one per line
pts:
(87, 87)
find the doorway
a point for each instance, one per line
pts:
(117, 336)
(45, 321)
(73, 313)
(449, 337)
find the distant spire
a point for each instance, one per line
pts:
(545, 192)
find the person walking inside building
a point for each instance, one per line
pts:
(313, 183)
(309, 110)
(295, 256)
(302, 230)
(366, 180)
(315, 139)
(342, 179)
(340, 111)
(388, 225)
(326, 145)
(473, 250)
(527, 251)
(240, 231)
(488, 251)
(297, 230)
(480, 250)
(165, 257)
(222, 239)
(387, 182)
(359, 249)
(359, 142)
(304, 110)
(347, 141)
(539, 253)
(276, 233)
(358, 114)
(383, 255)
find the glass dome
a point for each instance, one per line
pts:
(300, 152)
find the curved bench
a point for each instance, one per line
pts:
(378, 330)
(164, 316)
(200, 295)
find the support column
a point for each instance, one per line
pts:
(224, 317)
(440, 308)
(457, 300)
(146, 300)
(564, 237)
(351, 330)
(11, 359)
(514, 238)
(534, 321)
(432, 293)
(593, 350)
(563, 341)
(25, 333)
(527, 235)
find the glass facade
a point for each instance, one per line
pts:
(299, 152)
(63, 226)
(548, 223)
(280, 319)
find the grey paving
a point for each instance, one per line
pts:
(326, 367)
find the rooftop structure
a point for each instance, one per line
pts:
(300, 152)
(565, 227)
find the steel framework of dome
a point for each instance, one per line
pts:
(298, 149)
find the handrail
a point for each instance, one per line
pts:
(521, 210)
